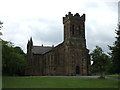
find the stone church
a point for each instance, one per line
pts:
(69, 58)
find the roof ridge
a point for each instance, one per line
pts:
(42, 46)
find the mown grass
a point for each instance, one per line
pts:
(57, 82)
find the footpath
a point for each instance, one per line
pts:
(83, 77)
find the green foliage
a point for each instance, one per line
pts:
(57, 82)
(115, 49)
(100, 60)
(13, 59)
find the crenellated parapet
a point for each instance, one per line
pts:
(76, 16)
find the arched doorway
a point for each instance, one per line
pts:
(77, 70)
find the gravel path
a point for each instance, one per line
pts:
(82, 77)
(112, 78)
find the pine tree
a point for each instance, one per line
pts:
(1, 23)
(115, 52)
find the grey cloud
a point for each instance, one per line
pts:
(51, 34)
(49, 31)
(101, 35)
(119, 11)
(92, 4)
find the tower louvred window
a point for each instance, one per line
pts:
(72, 28)
(79, 29)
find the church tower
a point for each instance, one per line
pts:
(74, 29)
(77, 57)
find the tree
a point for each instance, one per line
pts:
(100, 60)
(115, 52)
(1, 26)
(13, 59)
(0, 49)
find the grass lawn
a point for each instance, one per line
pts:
(57, 82)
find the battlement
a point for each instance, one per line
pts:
(76, 16)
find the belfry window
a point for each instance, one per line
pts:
(79, 29)
(72, 28)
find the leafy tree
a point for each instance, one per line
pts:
(100, 60)
(115, 52)
(13, 59)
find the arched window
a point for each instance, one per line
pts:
(79, 29)
(72, 28)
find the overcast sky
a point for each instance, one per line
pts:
(42, 20)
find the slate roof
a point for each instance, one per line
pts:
(41, 49)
